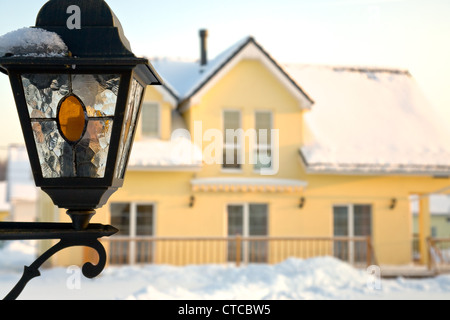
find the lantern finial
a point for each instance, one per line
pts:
(81, 24)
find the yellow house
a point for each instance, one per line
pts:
(298, 158)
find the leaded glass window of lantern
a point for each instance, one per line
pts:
(72, 118)
(128, 129)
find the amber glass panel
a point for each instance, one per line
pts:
(72, 119)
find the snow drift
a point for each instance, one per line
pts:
(322, 278)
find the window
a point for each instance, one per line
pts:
(232, 143)
(434, 231)
(150, 120)
(263, 148)
(135, 221)
(351, 221)
(249, 220)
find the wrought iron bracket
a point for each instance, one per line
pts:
(68, 236)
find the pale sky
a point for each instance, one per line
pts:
(407, 34)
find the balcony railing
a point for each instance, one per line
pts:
(439, 251)
(237, 250)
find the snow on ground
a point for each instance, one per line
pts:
(323, 278)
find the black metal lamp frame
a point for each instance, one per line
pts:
(98, 47)
(83, 194)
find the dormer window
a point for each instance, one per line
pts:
(151, 116)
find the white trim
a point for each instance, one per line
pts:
(231, 170)
(252, 52)
(238, 184)
(370, 171)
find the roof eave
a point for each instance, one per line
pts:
(442, 172)
(370, 171)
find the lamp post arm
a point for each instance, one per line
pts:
(68, 238)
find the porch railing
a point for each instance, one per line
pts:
(238, 250)
(439, 251)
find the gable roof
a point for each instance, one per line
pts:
(364, 120)
(370, 121)
(187, 80)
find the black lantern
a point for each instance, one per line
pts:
(78, 113)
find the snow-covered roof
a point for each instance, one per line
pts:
(362, 120)
(370, 121)
(186, 79)
(184, 76)
(155, 154)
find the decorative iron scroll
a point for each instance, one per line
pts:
(68, 236)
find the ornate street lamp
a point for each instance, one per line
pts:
(78, 114)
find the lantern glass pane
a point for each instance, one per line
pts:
(98, 93)
(130, 119)
(43, 92)
(92, 151)
(54, 152)
(72, 126)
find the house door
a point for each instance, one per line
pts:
(351, 221)
(248, 220)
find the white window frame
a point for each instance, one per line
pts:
(350, 225)
(159, 134)
(133, 224)
(227, 146)
(245, 224)
(265, 146)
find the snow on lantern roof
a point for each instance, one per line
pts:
(32, 42)
(370, 121)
